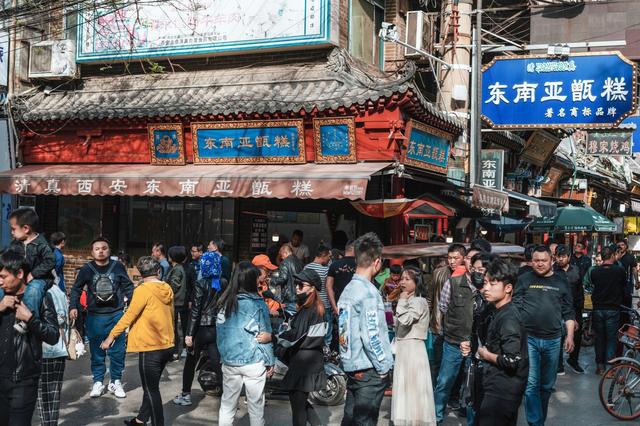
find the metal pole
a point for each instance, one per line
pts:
(473, 110)
(477, 81)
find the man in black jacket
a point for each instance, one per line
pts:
(544, 301)
(574, 278)
(505, 353)
(21, 354)
(108, 288)
(289, 266)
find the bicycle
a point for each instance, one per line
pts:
(619, 389)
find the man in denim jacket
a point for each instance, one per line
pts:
(364, 340)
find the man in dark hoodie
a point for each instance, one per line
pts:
(21, 353)
(289, 266)
(108, 287)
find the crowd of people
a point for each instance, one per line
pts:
(475, 333)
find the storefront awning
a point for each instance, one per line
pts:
(537, 207)
(304, 181)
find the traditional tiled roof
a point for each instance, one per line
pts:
(338, 82)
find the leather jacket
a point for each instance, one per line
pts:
(288, 268)
(28, 346)
(203, 307)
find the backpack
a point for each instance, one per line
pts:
(103, 286)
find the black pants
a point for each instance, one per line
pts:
(577, 337)
(365, 390)
(301, 411)
(205, 339)
(497, 412)
(151, 364)
(183, 314)
(17, 401)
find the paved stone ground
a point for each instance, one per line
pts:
(575, 401)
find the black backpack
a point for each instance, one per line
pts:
(103, 285)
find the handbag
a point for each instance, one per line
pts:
(73, 339)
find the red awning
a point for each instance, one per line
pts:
(384, 208)
(305, 181)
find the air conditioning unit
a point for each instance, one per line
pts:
(52, 59)
(420, 33)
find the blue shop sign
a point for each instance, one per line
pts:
(583, 90)
(427, 148)
(249, 142)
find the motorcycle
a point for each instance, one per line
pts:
(333, 394)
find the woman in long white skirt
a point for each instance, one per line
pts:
(412, 403)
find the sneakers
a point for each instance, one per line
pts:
(116, 388)
(575, 366)
(97, 390)
(183, 354)
(184, 399)
(561, 369)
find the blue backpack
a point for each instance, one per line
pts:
(211, 268)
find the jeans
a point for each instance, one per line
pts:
(605, 327)
(151, 364)
(183, 314)
(328, 317)
(97, 328)
(301, 411)
(17, 401)
(434, 364)
(33, 296)
(205, 339)
(365, 390)
(543, 370)
(254, 378)
(452, 360)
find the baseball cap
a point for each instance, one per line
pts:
(309, 276)
(264, 261)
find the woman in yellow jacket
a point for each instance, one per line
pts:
(150, 317)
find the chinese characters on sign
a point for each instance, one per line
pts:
(492, 171)
(259, 235)
(584, 90)
(334, 139)
(609, 143)
(427, 148)
(539, 148)
(176, 27)
(252, 142)
(490, 201)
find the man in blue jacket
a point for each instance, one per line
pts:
(364, 341)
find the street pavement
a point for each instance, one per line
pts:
(575, 401)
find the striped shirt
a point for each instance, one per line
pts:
(322, 271)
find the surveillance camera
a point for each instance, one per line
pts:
(388, 26)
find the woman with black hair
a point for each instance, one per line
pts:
(412, 401)
(300, 348)
(243, 336)
(177, 279)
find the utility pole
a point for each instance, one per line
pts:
(476, 110)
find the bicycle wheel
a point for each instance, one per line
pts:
(620, 391)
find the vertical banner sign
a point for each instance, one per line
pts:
(492, 172)
(4, 58)
(587, 90)
(259, 235)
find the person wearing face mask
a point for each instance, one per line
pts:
(300, 347)
(364, 344)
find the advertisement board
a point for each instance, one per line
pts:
(195, 28)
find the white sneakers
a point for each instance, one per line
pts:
(114, 387)
(97, 390)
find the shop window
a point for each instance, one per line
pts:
(79, 218)
(365, 21)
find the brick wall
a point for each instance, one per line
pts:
(344, 24)
(395, 13)
(72, 262)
